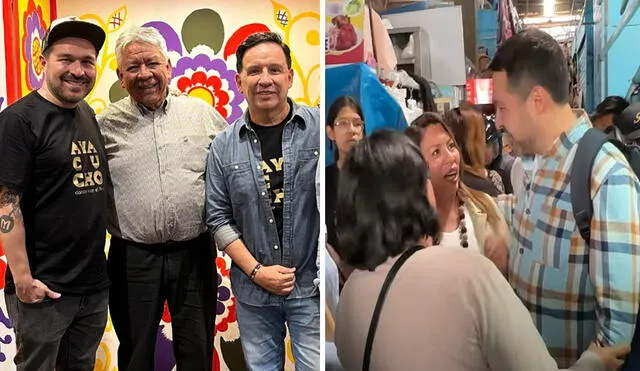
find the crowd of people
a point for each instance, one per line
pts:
(443, 249)
(448, 252)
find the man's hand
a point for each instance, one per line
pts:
(497, 251)
(276, 279)
(33, 291)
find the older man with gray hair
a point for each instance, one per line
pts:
(156, 146)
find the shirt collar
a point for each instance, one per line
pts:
(563, 144)
(145, 111)
(295, 118)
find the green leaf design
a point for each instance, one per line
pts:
(116, 92)
(203, 27)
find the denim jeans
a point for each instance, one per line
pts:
(262, 334)
(62, 334)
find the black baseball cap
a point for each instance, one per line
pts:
(74, 27)
(628, 122)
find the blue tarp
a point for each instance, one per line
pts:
(359, 81)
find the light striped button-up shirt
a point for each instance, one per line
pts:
(157, 161)
(574, 292)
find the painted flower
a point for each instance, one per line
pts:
(166, 316)
(3, 270)
(209, 79)
(32, 45)
(226, 303)
(216, 360)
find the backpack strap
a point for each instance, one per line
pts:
(588, 148)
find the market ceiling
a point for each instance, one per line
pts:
(535, 8)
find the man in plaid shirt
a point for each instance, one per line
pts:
(576, 293)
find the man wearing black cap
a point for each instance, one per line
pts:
(628, 125)
(607, 112)
(52, 207)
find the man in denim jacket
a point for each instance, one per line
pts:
(261, 209)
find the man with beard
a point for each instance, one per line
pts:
(157, 144)
(53, 172)
(577, 291)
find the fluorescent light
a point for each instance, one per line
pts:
(549, 8)
(559, 18)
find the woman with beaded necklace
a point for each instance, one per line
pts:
(468, 218)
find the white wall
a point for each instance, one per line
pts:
(446, 41)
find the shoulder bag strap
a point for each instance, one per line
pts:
(383, 294)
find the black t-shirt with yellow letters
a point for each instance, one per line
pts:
(270, 138)
(55, 158)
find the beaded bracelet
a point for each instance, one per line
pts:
(255, 270)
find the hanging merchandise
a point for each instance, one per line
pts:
(380, 108)
(400, 86)
(378, 47)
(425, 94)
(413, 110)
(504, 21)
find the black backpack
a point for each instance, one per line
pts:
(588, 148)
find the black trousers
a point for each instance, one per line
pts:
(61, 334)
(142, 278)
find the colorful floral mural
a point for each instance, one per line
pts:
(35, 29)
(202, 42)
(26, 22)
(209, 79)
(200, 58)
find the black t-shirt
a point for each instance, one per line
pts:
(331, 175)
(55, 158)
(270, 138)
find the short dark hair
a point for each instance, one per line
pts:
(259, 38)
(334, 110)
(612, 105)
(530, 58)
(382, 207)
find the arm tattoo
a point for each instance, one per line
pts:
(9, 198)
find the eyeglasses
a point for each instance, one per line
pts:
(344, 124)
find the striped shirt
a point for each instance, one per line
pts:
(573, 298)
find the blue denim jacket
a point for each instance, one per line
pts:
(238, 204)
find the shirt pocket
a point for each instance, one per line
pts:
(194, 148)
(240, 183)
(559, 245)
(305, 178)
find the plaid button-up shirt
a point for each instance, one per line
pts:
(577, 294)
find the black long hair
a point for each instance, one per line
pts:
(334, 110)
(382, 207)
